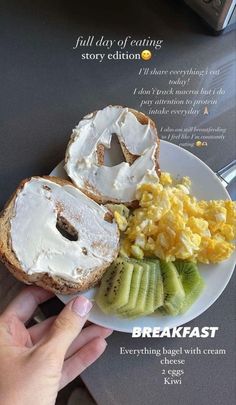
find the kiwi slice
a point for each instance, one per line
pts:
(151, 293)
(149, 297)
(139, 309)
(118, 295)
(115, 286)
(174, 294)
(101, 297)
(134, 289)
(159, 296)
(192, 281)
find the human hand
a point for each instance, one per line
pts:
(37, 362)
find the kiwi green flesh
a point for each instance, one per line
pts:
(192, 297)
(115, 284)
(119, 293)
(103, 291)
(154, 295)
(134, 289)
(103, 297)
(142, 294)
(153, 263)
(159, 300)
(174, 293)
(192, 282)
(159, 296)
(189, 274)
(151, 293)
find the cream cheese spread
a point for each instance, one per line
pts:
(39, 245)
(118, 182)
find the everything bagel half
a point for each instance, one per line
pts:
(54, 236)
(84, 161)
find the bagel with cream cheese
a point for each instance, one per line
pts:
(84, 160)
(54, 236)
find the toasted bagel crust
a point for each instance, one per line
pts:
(129, 157)
(56, 284)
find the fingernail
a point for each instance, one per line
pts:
(81, 306)
(109, 331)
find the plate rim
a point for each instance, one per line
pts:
(93, 318)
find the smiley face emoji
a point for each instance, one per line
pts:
(198, 144)
(146, 54)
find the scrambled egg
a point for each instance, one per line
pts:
(171, 224)
(121, 214)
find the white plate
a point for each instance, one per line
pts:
(205, 185)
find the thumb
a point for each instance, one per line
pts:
(68, 324)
